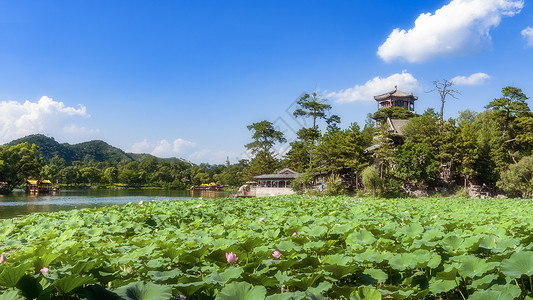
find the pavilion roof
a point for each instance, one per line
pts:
(395, 94)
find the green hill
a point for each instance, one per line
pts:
(92, 151)
(87, 152)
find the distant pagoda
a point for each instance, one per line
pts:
(396, 98)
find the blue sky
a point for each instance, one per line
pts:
(185, 78)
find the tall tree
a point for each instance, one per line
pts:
(264, 136)
(510, 106)
(314, 107)
(18, 163)
(444, 89)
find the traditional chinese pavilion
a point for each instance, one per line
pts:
(396, 98)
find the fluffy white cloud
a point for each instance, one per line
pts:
(474, 79)
(163, 148)
(527, 34)
(376, 86)
(460, 27)
(45, 116)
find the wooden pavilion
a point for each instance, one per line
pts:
(396, 98)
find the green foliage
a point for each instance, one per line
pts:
(302, 182)
(344, 248)
(371, 179)
(334, 186)
(518, 179)
(18, 163)
(510, 106)
(393, 113)
(416, 163)
(264, 136)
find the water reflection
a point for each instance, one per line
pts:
(19, 203)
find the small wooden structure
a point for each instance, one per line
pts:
(38, 186)
(396, 98)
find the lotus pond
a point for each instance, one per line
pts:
(289, 247)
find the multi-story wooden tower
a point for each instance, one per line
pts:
(396, 98)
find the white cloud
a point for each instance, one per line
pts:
(474, 79)
(163, 148)
(527, 34)
(460, 27)
(21, 119)
(376, 86)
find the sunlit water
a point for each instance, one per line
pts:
(19, 203)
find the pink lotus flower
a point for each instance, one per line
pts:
(261, 219)
(295, 233)
(3, 259)
(45, 270)
(231, 257)
(276, 254)
(199, 205)
(346, 202)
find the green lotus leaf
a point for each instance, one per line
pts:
(241, 291)
(69, 283)
(287, 246)
(12, 295)
(490, 295)
(164, 275)
(471, 266)
(144, 291)
(363, 237)
(378, 275)
(6, 228)
(287, 296)
(97, 292)
(403, 261)
(338, 259)
(484, 282)
(508, 289)
(452, 243)
(365, 293)
(432, 235)
(228, 274)
(520, 263)
(442, 286)
(10, 276)
(339, 271)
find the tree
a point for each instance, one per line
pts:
(416, 163)
(518, 178)
(512, 105)
(371, 179)
(343, 153)
(394, 112)
(111, 175)
(316, 108)
(264, 136)
(19, 163)
(311, 106)
(444, 90)
(467, 146)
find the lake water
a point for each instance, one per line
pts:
(19, 203)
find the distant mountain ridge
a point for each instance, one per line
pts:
(91, 151)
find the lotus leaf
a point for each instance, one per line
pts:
(241, 291)
(520, 263)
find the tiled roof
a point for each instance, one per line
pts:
(396, 94)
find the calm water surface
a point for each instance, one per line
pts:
(19, 203)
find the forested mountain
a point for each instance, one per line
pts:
(92, 151)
